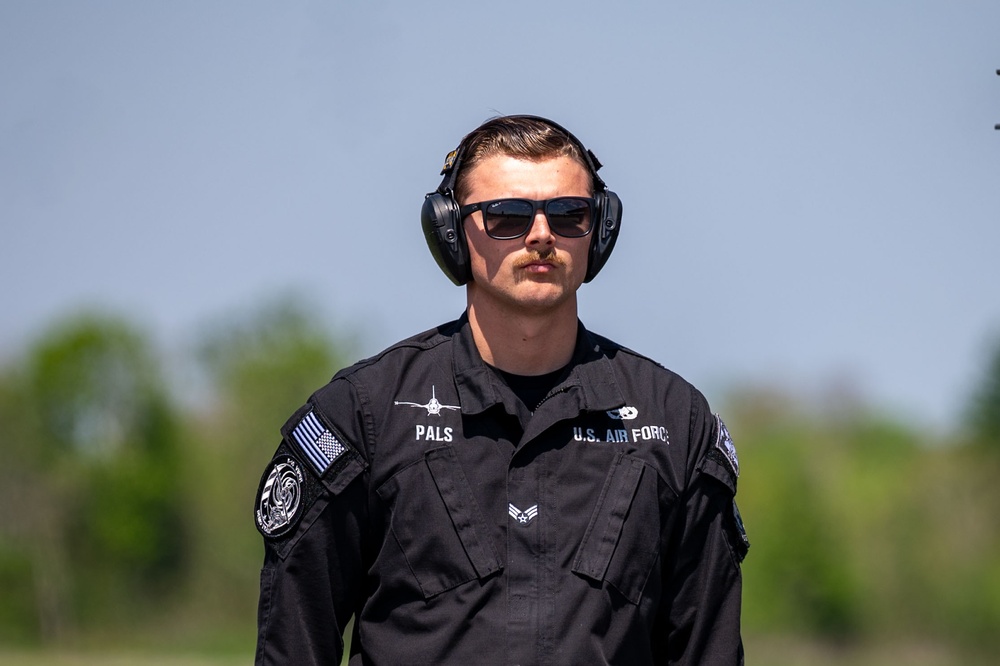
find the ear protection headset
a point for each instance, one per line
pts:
(445, 235)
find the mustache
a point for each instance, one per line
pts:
(534, 255)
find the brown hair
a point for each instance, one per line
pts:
(526, 138)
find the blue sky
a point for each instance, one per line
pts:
(810, 188)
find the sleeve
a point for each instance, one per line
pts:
(311, 509)
(707, 543)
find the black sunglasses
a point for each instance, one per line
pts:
(506, 219)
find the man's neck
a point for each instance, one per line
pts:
(525, 343)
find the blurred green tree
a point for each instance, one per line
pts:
(984, 407)
(92, 475)
(799, 576)
(261, 365)
(865, 528)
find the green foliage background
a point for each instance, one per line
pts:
(127, 498)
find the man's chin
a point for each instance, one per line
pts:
(542, 298)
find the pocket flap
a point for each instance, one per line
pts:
(463, 509)
(605, 526)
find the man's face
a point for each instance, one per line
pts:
(539, 271)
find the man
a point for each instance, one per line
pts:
(508, 488)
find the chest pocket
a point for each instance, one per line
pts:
(622, 541)
(438, 524)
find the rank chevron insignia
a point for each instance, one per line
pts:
(522, 517)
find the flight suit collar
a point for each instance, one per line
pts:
(591, 381)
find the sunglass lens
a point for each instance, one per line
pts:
(508, 218)
(569, 216)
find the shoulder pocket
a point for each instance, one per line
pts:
(732, 522)
(622, 540)
(438, 523)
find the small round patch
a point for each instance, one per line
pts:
(626, 413)
(279, 499)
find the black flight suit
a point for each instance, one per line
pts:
(416, 492)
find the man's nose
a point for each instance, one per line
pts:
(540, 233)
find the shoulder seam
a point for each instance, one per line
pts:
(608, 344)
(436, 340)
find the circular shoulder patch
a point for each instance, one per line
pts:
(279, 499)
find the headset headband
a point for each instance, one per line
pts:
(453, 162)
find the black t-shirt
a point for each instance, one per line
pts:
(531, 389)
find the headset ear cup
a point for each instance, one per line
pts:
(442, 225)
(605, 232)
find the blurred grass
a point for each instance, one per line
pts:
(795, 651)
(762, 651)
(57, 658)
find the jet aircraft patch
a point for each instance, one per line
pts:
(433, 406)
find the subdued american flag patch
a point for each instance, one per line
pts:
(319, 445)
